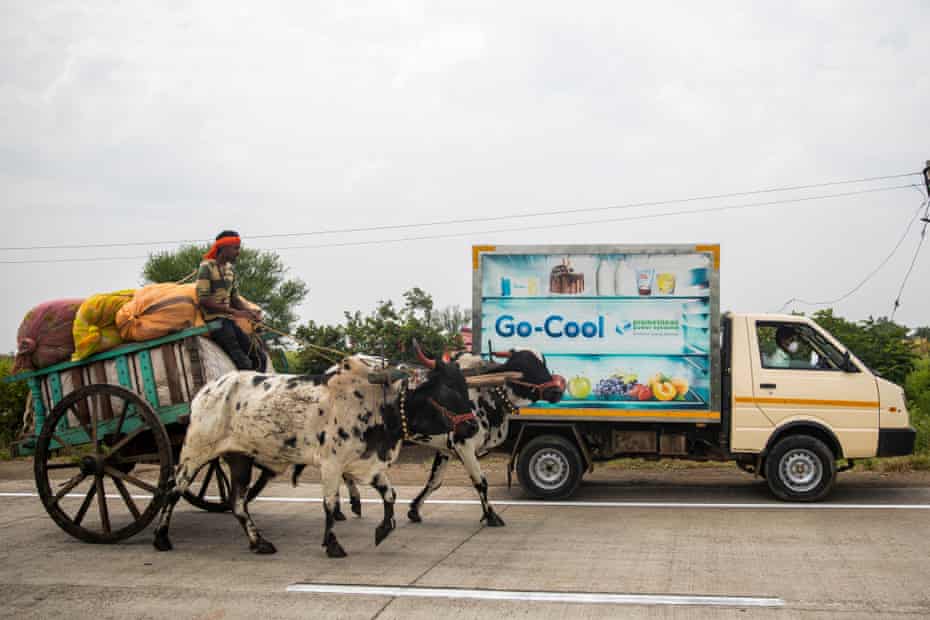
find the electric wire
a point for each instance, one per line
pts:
(868, 277)
(473, 220)
(647, 216)
(923, 236)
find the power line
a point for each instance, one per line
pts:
(647, 216)
(872, 273)
(923, 236)
(472, 220)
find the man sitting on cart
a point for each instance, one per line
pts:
(218, 296)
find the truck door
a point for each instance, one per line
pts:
(798, 376)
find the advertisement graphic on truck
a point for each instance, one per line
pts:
(630, 331)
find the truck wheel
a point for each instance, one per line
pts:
(800, 468)
(549, 467)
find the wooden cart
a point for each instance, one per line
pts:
(107, 431)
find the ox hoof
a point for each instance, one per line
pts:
(357, 506)
(337, 514)
(162, 542)
(492, 520)
(262, 547)
(333, 548)
(383, 530)
(414, 515)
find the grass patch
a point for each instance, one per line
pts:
(913, 462)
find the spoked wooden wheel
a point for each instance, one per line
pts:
(102, 475)
(210, 489)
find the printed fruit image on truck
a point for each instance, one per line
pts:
(654, 370)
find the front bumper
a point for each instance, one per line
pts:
(896, 441)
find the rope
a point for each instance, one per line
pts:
(333, 355)
(189, 276)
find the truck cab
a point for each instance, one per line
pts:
(799, 401)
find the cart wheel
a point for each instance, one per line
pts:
(74, 474)
(210, 489)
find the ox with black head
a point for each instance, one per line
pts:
(350, 425)
(495, 391)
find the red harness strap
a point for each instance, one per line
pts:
(539, 387)
(455, 418)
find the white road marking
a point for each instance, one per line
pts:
(562, 504)
(603, 598)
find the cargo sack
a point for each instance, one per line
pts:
(44, 337)
(95, 324)
(158, 310)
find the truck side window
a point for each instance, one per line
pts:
(795, 346)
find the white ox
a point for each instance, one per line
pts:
(349, 423)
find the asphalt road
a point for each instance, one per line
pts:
(667, 546)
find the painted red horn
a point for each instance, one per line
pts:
(422, 357)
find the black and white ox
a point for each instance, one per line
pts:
(349, 423)
(495, 392)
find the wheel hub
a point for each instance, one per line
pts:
(800, 470)
(91, 466)
(548, 469)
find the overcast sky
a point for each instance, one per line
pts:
(137, 121)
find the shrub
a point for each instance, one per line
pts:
(12, 404)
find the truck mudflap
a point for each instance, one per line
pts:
(896, 441)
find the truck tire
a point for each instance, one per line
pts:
(549, 467)
(800, 468)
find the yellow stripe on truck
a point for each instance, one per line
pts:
(806, 401)
(621, 413)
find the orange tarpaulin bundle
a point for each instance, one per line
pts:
(158, 310)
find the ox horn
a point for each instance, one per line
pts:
(431, 364)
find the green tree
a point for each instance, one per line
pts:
(921, 332)
(262, 279)
(917, 390)
(880, 343)
(12, 403)
(311, 360)
(452, 319)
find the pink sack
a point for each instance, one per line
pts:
(44, 336)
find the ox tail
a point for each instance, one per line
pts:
(298, 469)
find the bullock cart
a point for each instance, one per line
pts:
(105, 433)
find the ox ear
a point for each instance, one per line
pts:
(384, 377)
(492, 379)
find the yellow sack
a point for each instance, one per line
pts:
(94, 328)
(158, 310)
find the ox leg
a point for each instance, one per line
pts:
(240, 470)
(354, 499)
(469, 459)
(330, 479)
(259, 485)
(183, 477)
(388, 496)
(435, 481)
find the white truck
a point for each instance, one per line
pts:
(655, 371)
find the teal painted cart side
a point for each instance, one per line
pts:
(168, 414)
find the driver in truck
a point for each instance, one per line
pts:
(786, 341)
